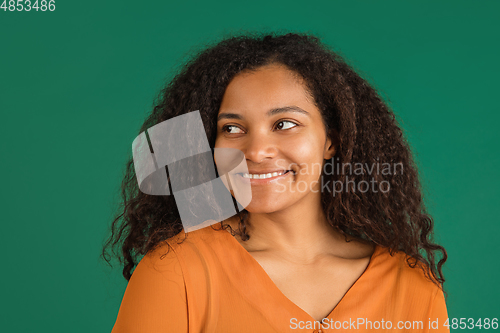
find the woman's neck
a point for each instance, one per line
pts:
(300, 234)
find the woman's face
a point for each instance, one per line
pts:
(268, 115)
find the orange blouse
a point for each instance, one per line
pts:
(208, 283)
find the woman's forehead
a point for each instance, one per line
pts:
(267, 88)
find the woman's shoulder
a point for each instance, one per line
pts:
(183, 256)
(191, 251)
(183, 241)
(407, 287)
(159, 261)
(155, 290)
(172, 265)
(404, 271)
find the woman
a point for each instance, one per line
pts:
(336, 235)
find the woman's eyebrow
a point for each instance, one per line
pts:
(269, 113)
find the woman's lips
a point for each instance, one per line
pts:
(257, 181)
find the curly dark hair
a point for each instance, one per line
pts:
(367, 133)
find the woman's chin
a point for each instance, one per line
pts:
(263, 207)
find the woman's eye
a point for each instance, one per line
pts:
(231, 129)
(284, 127)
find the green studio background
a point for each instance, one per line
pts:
(76, 84)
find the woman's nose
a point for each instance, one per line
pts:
(259, 147)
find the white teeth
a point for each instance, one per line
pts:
(263, 176)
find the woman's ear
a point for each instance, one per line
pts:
(332, 144)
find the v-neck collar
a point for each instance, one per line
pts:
(254, 284)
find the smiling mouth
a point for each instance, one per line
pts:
(264, 175)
